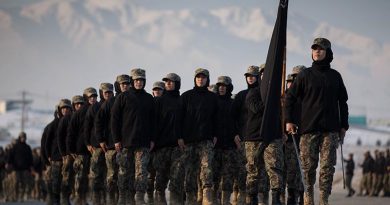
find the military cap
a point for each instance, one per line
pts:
(225, 80)
(290, 78)
(77, 99)
(322, 42)
(22, 134)
(90, 92)
(252, 70)
(123, 78)
(64, 103)
(106, 87)
(202, 71)
(213, 88)
(172, 77)
(138, 73)
(297, 69)
(158, 85)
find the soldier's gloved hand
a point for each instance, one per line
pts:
(237, 140)
(342, 135)
(291, 128)
(181, 144)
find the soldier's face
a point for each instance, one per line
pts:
(139, 84)
(169, 85)
(251, 79)
(222, 90)
(65, 111)
(200, 80)
(77, 106)
(107, 95)
(157, 92)
(318, 53)
(92, 99)
(124, 86)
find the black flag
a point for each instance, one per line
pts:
(271, 84)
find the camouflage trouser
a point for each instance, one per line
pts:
(112, 171)
(97, 170)
(67, 175)
(292, 172)
(164, 161)
(260, 156)
(133, 173)
(48, 182)
(386, 184)
(9, 184)
(240, 178)
(2, 177)
(196, 155)
(21, 182)
(310, 145)
(377, 184)
(365, 184)
(225, 167)
(177, 171)
(81, 169)
(56, 177)
(151, 175)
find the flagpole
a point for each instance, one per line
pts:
(284, 72)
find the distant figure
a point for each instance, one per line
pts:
(386, 181)
(350, 167)
(359, 142)
(21, 160)
(368, 168)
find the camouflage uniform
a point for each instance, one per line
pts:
(56, 177)
(67, 176)
(81, 169)
(198, 155)
(97, 173)
(258, 155)
(125, 161)
(225, 167)
(48, 184)
(326, 144)
(112, 173)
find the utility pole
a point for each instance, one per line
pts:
(24, 111)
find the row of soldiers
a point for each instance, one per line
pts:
(376, 174)
(204, 145)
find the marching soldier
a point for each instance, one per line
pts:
(324, 118)
(132, 124)
(103, 136)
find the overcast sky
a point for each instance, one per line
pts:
(55, 49)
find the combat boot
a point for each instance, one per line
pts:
(150, 197)
(291, 199)
(251, 200)
(140, 198)
(241, 198)
(207, 198)
(308, 196)
(324, 198)
(121, 198)
(65, 198)
(235, 198)
(276, 197)
(263, 198)
(225, 199)
(199, 197)
(160, 198)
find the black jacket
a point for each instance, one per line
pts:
(51, 144)
(103, 125)
(240, 112)
(349, 167)
(20, 157)
(75, 141)
(44, 156)
(255, 106)
(132, 119)
(89, 125)
(368, 165)
(225, 124)
(62, 132)
(324, 100)
(380, 165)
(199, 115)
(168, 119)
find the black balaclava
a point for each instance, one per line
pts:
(254, 84)
(326, 61)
